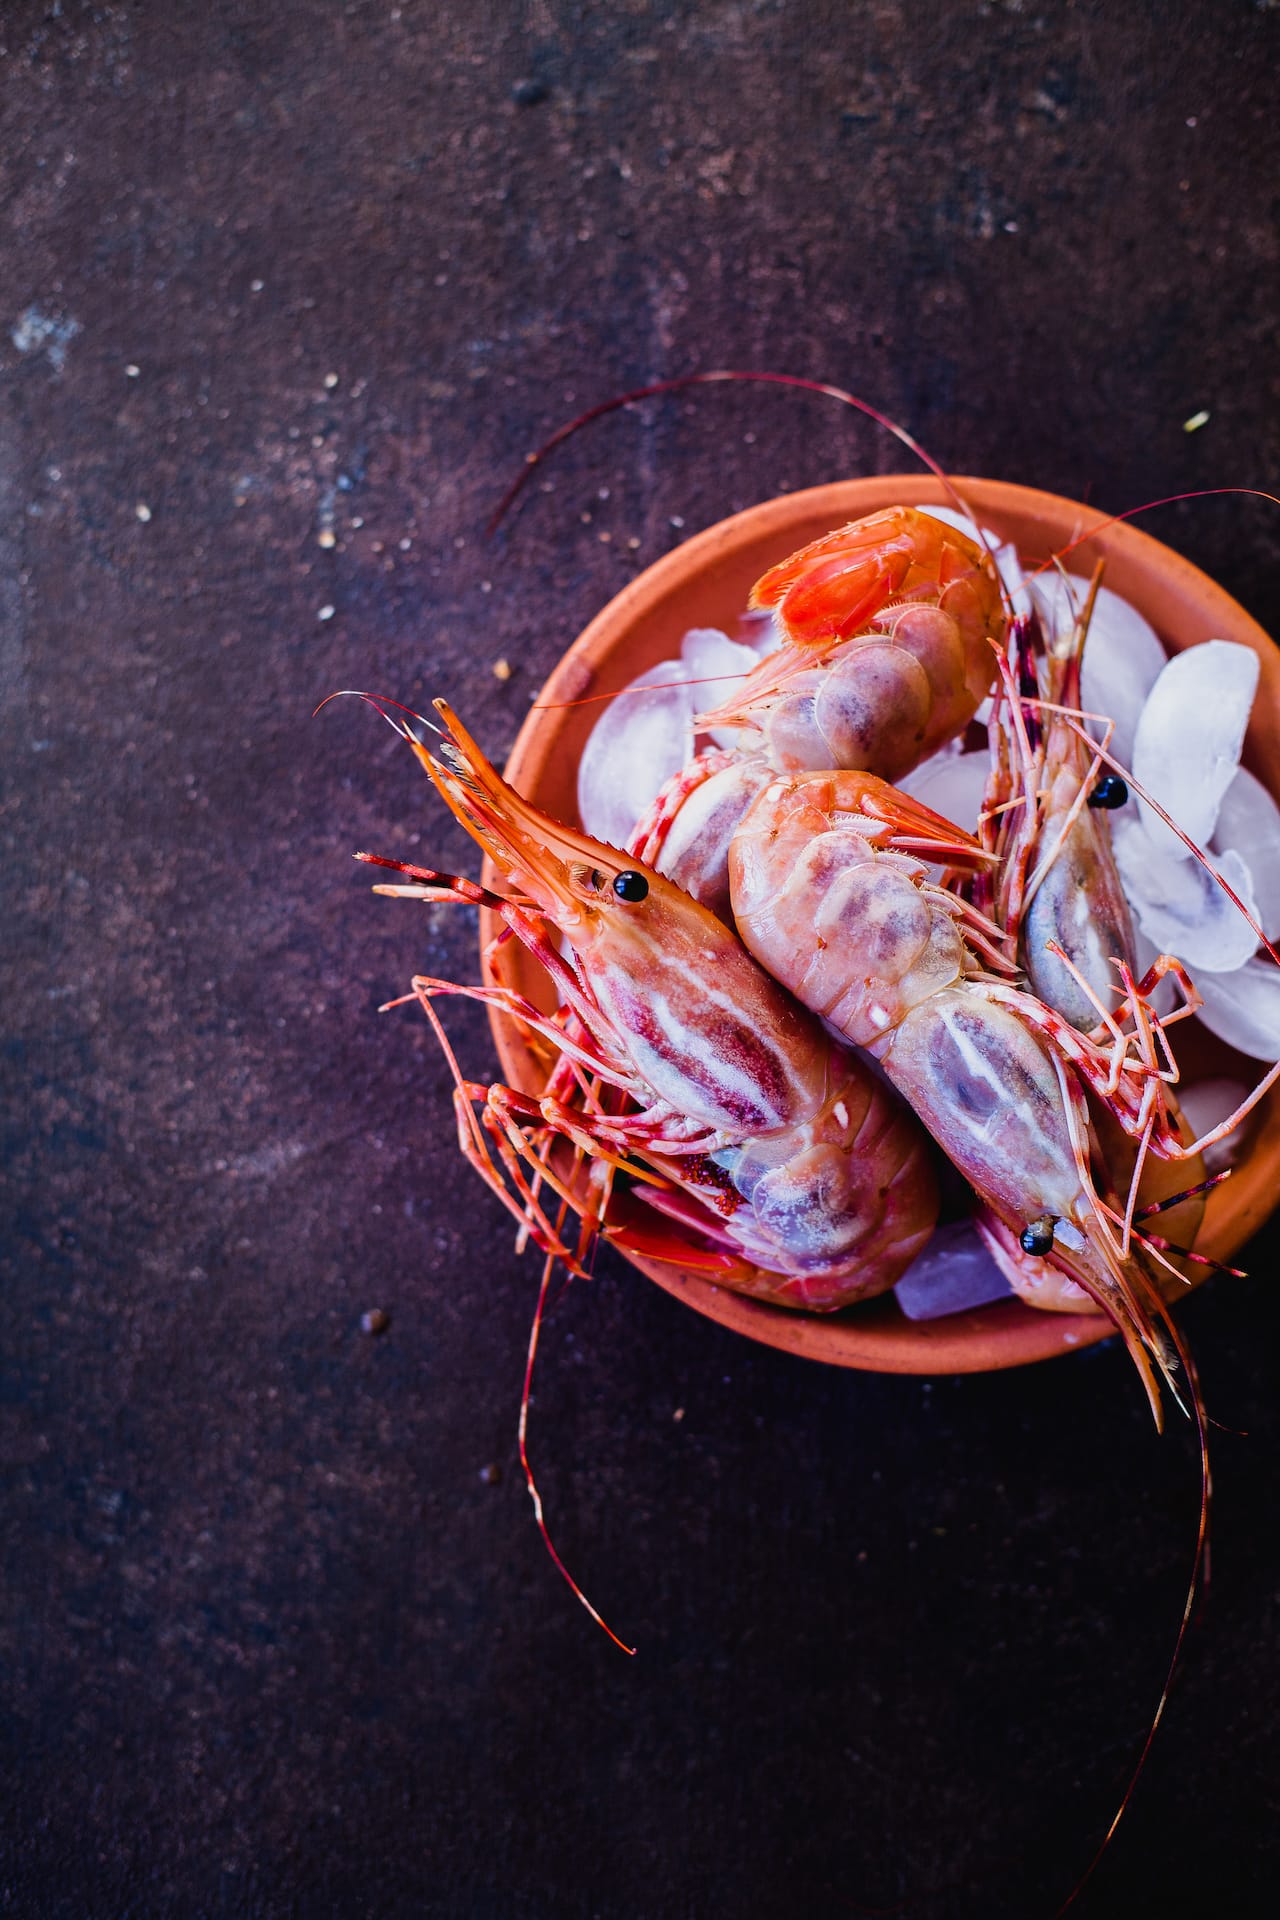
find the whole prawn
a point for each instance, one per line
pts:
(682, 1063)
(829, 892)
(1053, 887)
(1054, 880)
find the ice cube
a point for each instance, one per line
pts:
(1179, 905)
(712, 656)
(1243, 1008)
(1249, 823)
(760, 629)
(952, 784)
(718, 665)
(639, 741)
(1123, 656)
(954, 1272)
(1013, 577)
(1187, 746)
(1204, 1105)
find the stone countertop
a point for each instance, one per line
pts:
(287, 295)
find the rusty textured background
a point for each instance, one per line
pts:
(278, 1635)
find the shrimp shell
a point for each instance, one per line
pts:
(741, 1114)
(891, 961)
(890, 626)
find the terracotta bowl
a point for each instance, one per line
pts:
(705, 582)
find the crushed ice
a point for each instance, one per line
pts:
(1187, 746)
(1123, 657)
(642, 738)
(954, 1272)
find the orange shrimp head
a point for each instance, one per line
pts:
(888, 627)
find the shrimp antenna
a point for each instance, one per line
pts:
(1187, 1193)
(380, 702)
(715, 377)
(1196, 1584)
(1147, 506)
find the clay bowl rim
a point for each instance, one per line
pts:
(714, 569)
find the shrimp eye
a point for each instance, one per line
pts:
(1109, 792)
(630, 886)
(1037, 1236)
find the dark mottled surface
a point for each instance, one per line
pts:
(276, 1641)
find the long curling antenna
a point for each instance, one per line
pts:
(548, 1268)
(1198, 1581)
(714, 377)
(380, 702)
(1147, 506)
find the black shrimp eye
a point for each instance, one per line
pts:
(1110, 791)
(630, 886)
(1037, 1236)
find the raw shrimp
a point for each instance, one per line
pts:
(1046, 818)
(890, 628)
(1054, 888)
(829, 892)
(740, 1115)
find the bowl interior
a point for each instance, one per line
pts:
(705, 582)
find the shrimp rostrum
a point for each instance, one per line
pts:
(830, 892)
(683, 1073)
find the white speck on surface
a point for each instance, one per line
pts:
(326, 537)
(331, 381)
(131, 372)
(256, 286)
(47, 333)
(326, 613)
(143, 511)
(1200, 419)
